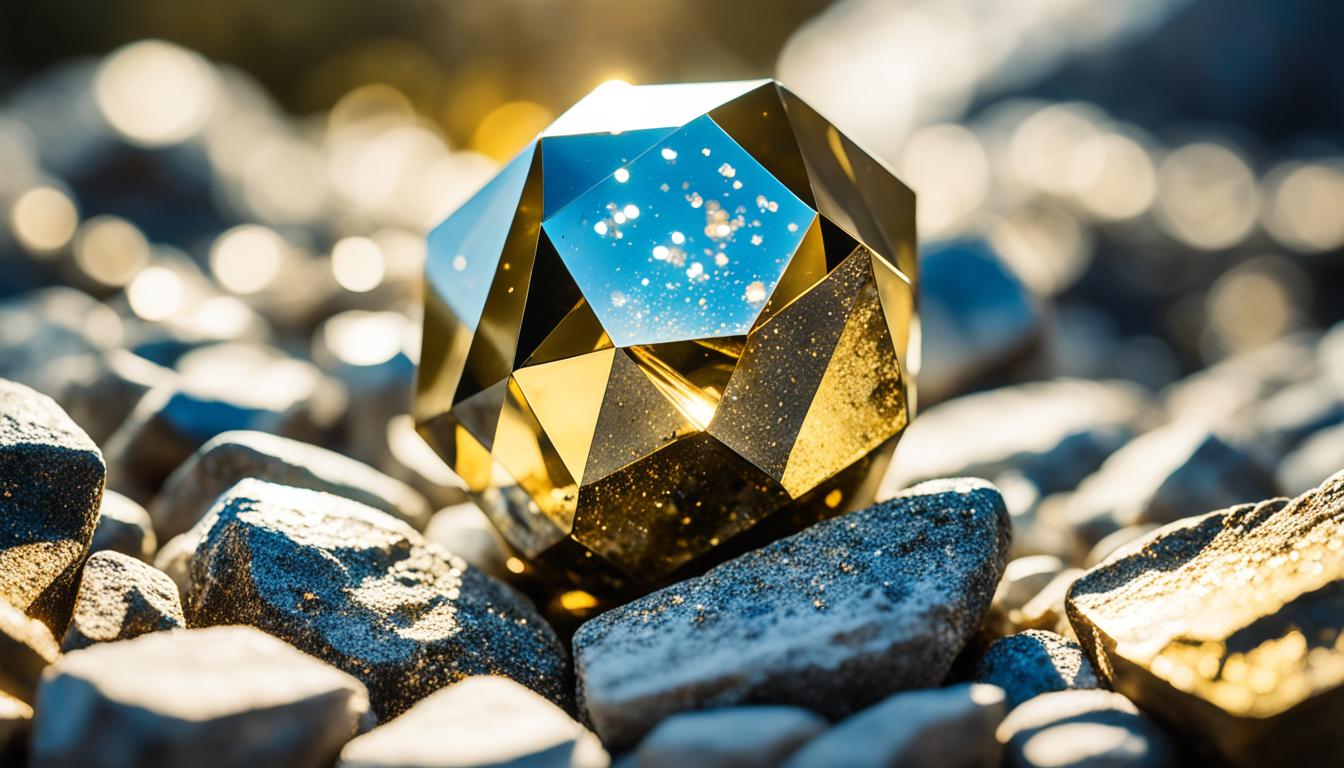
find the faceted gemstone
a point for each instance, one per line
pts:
(680, 321)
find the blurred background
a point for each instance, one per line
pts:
(1133, 191)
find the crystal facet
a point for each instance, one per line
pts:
(683, 315)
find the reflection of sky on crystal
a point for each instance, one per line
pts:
(687, 241)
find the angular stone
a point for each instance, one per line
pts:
(121, 598)
(1083, 729)
(229, 457)
(218, 697)
(832, 619)
(125, 527)
(1028, 664)
(51, 485)
(732, 737)
(174, 559)
(363, 591)
(16, 719)
(26, 648)
(1023, 578)
(480, 721)
(464, 530)
(1046, 609)
(939, 727)
(221, 387)
(1231, 627)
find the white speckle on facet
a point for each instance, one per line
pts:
(756, 239)
(600, 227)
(755, 292)
(459, 262)
(631, 211)
(660, 252)
(678, 238)
(669, 154)
(621, 175)
(727, 171)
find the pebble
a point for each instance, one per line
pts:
(42, 328)
(938, 728)
(1023, 578)
(174, 559)
(1083, 729)
(1311, 463)
(229, 457)
(479, 721)
(362, 590)
(120, 598)
(731, 737)
(464, 530)
(1248, 662)
(832, 619)
(125, 527)
(102, 388)
(1046, 609)
(26, 648)
(51, 485)
(1028, 664)
(209, 698)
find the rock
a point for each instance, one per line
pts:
(464, 530)
(1046, 609)
(975, 315)
(26, 648)
(124, 526)
(1282, 422)
(102, 388)
(1083, 729)
(733, 737)
(41, 328)
(363, 591)
(221, 387)
(1030, 663)
(51, 485)
(1222, 394)
(832, 619)
(1050, 433)
(1118, 541)
(943, 727)
(1023, 578)
(1315, 460)
(480, 721)
(121, 598)
(16, 719)
(1226, 625)
(174, 559)
(229, 457)
(218, 697)
(1172, 472)
(413, 462)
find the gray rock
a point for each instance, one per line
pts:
(40, 329)
(16, 719)
(229, 457)
(938, 728)
(1282, 422)
(1028, 664)
(1046, 609)
(1223, 394)
(26, 648)
(174, 559)
(51, 485)
(221, 387)
(1315, 460)
(464, 530)
(831, 619)
(1051, 433)
(363, 591)
(732, 737)
(102, 388)
(480, 721)
(1083, 729)
(1172, 472)
(1023, 578)
(219, 697)
(121, 598)
(125, 527)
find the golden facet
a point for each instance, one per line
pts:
(684, 316)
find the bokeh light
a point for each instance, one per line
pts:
(44, 219)
(247, 258)
(156, 293)
(1207, 197)
(1304, 209)
(155, 93)
(111, 250)
(357, 264)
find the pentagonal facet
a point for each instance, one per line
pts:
(681, 320)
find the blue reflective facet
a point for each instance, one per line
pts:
(464, 250)
(685, 242)
(573, 164)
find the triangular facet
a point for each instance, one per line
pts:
(617, 107)
(525, 450)
(757, 122)
(806, 268)
(578, 333)
(691, 374)
(566, 397)
(573, 164)
(551, 295)
(898, 306)
(479, 414)
(635, 420)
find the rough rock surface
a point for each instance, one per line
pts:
(224, 696)
(124, 526)
(1230, 626)
(121, 598)
(363, 591)
(480, 721)
(732, 737)
(832, 619)
(26, 648)
(1030, 663)
(51, 484)
(227, 458)
(937, 728)
(1083, 729)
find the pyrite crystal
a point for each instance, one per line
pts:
(682, 312)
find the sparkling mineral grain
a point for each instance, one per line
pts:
(51, 485)
(1231, 627)
(831, 619)
(362, 590)
(121, 598)
(209, 698)
(677, 312)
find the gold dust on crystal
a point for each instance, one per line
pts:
(680, 311)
